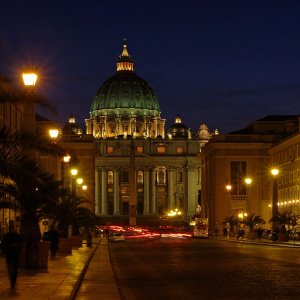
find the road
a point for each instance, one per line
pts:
(172, 268)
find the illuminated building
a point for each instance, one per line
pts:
(125, 113)
(228, 159)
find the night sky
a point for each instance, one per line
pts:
(223, 63)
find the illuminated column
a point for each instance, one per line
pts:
(153, 191)
(97, 191)
(104, 191)
(146, 191)
(116, 192)
(171, 183)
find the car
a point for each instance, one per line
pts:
(116, 237)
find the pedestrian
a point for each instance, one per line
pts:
(53, 237)
(225, 231)
(11, 246)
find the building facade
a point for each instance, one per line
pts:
(125, 115)
(227, 160)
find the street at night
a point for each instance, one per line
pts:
(174, 268)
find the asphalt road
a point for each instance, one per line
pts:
(170, 268)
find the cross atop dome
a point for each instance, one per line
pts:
(125, 62)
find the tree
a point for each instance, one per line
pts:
(68, 209)
(253, 220)
(284, 218)
(31, 190)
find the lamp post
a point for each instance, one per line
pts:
(228, 188)
(63, 167)
(74, 172)
(275, 173)
(29, 82)
(248, 182)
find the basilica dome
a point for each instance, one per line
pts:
(178, 130)
(125, 93)
(125, 104)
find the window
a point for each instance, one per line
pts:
(179, 150)
(110, 177)
(109, 149)
(140, 149)
(238, 174)
(161, 177)
(124, 176)
(161, 149)
(140, 177)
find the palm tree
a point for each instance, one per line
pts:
(251, 221)
(232, 221)
(31, 190)
(69, 210)
(284, 218)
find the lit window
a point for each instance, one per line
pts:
(110, 177)
(140, 149)
(179, 149)
(161, 149)
(140, 177)
(109, 149)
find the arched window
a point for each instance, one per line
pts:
(110, 177)
(140, 177)
(161, 177)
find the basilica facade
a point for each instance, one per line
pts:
(125, 114)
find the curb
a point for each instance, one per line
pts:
(82, 273)
(272, 244)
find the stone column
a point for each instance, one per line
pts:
(97, 192)
(104, 192)
(146, 191)
(153, 191)
(116, 192)
(171, 185)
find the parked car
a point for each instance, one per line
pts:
(116, 237)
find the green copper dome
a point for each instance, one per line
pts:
(125, 93)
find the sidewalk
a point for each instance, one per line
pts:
(289, 244)
(63, 276)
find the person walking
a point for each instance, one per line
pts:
(11, 246)
(53, 237)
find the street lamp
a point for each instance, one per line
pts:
(29, 79)
(53, 133)
(275, 173)
(63, 167)
(74, 172)
(248, 182)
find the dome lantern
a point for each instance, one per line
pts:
(125, 62)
